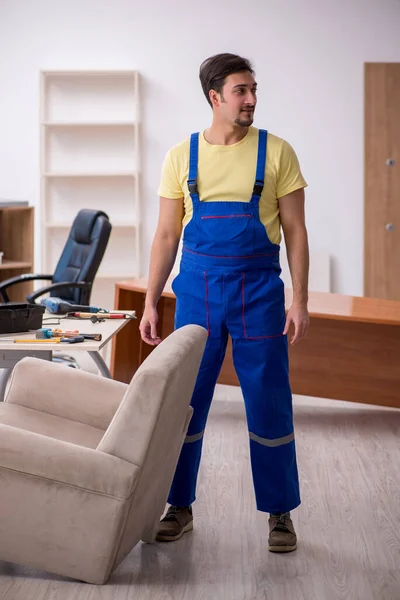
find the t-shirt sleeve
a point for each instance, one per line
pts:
(290, 177)
(169, 185)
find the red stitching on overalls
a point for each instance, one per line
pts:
(226, 216)
(258, 337)
(213, 256)
(207, 309)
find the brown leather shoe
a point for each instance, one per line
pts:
(282, 536)
(176, 522)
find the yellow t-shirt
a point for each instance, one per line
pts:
(227, 173)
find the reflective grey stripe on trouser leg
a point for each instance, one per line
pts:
(193, 438)
(272, 443)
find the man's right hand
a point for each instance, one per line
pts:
(148, 326)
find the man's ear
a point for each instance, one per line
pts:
(214, 98)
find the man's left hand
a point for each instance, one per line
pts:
(298, 317)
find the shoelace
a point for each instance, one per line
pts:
(172, 513)
(281, 522)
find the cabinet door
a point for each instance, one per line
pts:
(382, 181)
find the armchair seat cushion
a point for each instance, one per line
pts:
(50, 425)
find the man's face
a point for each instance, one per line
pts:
(238, 99)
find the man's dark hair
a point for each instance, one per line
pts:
(214, 71)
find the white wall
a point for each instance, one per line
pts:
(309, 61)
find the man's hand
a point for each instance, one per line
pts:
(298, 317)
(148, 327)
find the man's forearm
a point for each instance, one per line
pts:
(298, 258)
(163, 254)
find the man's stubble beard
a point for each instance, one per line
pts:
(244, 123)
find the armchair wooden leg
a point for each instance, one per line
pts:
(150, 532)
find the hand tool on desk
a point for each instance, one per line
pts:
(61, 307)
(46, 333)
(30, 341)
(57, 340)
(73, 340)
(86, 315)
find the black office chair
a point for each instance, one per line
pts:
(76, 269)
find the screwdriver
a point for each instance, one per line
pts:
(46, 332)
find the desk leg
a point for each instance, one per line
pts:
(100, 364)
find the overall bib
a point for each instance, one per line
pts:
(229, 283)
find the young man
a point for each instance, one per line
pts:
(232, 187)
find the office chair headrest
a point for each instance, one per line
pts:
(83, 224)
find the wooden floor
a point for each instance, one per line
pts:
(348, 524)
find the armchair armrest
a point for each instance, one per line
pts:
(63, 392)
(61, 285)
(20, 279)
(33, 454)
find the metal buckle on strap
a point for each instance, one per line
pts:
(192, 185)
(258, 188)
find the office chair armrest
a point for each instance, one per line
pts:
(20, 279)
(61, 285)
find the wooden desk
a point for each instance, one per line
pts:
(352, 351)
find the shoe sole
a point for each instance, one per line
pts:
(173, 538)
(282, 548)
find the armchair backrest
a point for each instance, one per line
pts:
(150, 424)
(157, 400)
(82, 253)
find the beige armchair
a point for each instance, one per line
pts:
(86, 463)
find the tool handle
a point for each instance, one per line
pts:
(34, 340)
(73, 340)
(65, 334)
(97, 337)
(85, 315)
(44, 333)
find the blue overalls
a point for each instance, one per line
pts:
(229, 283)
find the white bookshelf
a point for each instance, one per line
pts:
(90, 158)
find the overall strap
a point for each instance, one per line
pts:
(261, 160)
(193, 161)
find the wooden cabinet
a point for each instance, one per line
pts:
(16, 243)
